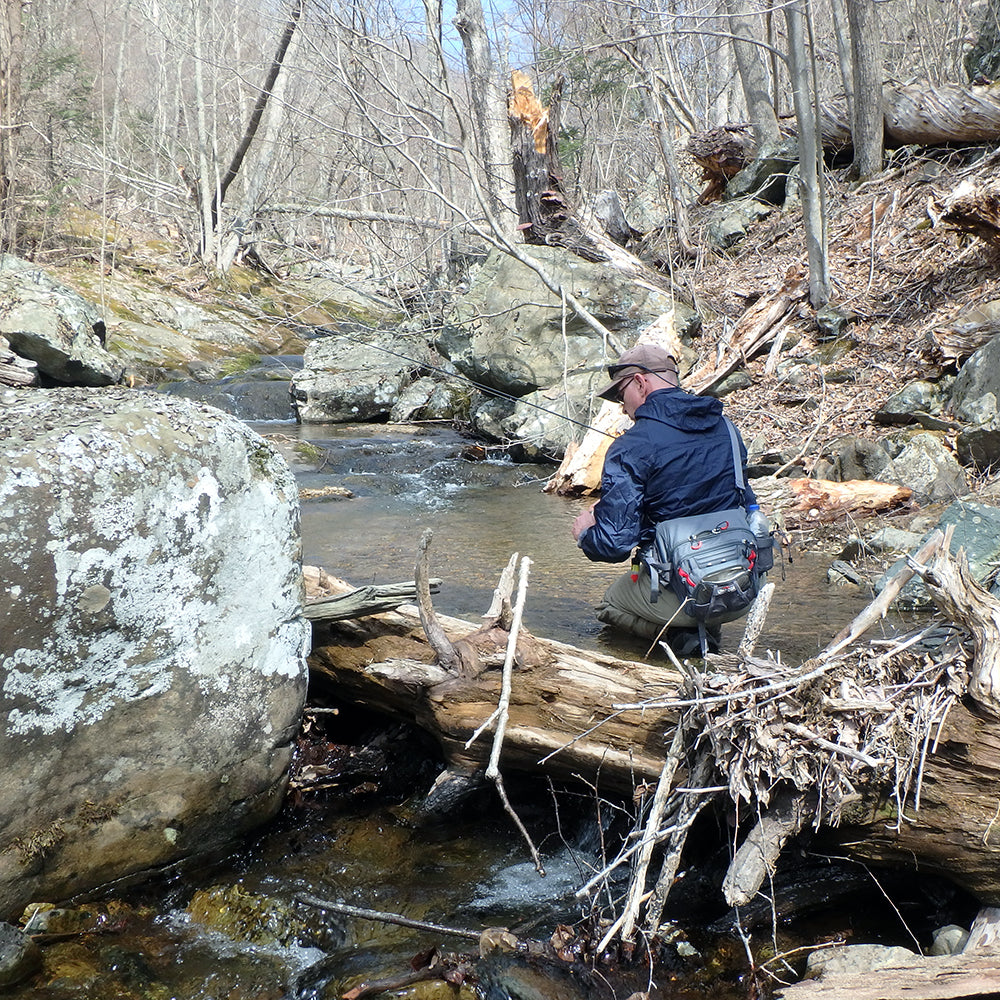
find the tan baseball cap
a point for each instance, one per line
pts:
(641, 358)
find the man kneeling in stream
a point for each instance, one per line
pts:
(680, 458)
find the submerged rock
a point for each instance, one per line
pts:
(19, 956)
(151, 638)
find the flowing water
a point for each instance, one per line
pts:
(231, 931)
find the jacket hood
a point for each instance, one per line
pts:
(682, 410)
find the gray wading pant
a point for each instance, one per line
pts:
(627, 606)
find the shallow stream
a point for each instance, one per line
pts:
(470, 872)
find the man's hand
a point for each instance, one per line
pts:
(583, 522)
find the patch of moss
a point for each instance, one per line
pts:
(260, 460)
(309, 452)
(239, 364)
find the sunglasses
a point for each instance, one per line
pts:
(620, 393)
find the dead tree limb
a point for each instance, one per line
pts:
(385, 918)
(957, 594)
(364, 601)
(503, 714)
(630, 914)
(877, 610)
(758, 854)
(440, 643)
(756, 617)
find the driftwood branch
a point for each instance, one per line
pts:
(755, 619)
(957, 594)
(503, 714)
(630, 914)
(364, 601)
(758, 854)
(386, 918)
(499, 610)
(440, 643)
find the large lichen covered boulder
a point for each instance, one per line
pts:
(152, 645)
(511, 333)
(48, 323)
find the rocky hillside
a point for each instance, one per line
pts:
(919, 294)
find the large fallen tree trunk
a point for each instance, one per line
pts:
(914, 115)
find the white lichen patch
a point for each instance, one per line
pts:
(161, 538)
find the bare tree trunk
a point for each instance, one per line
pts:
(866, 59)
(753, 74)
(488, 102)
(258, 111)
(842, 34)
(651, 100)
(204, 187)
(11, 54)
(440, 167)
(273, 119)
(810, 164)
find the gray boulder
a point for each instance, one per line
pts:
(974, 400)
(920, 460)
(360, 378)
(729, 222)
(430, 399)
(928, 466)
(977, 530)
(858, 458)
(151, 636)
(976, 388)
(20, 957)
(768, 176)
(48, 323)
(980, 445)
(913, 403)
(546, 422)
(510, 333)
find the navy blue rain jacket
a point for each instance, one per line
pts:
(675, 461)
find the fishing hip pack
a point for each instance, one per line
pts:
(711, 561)
(708, 560)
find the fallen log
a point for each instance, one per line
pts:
(822, 500)
(913, 115)
(954, 976)
(560, 716)
(883, 748)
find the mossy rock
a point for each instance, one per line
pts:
(246, 916)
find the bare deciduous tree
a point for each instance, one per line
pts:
(810, 161)
(753, 74)
(11, 54)
(866, 111)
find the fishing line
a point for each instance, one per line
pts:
(496, 393)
